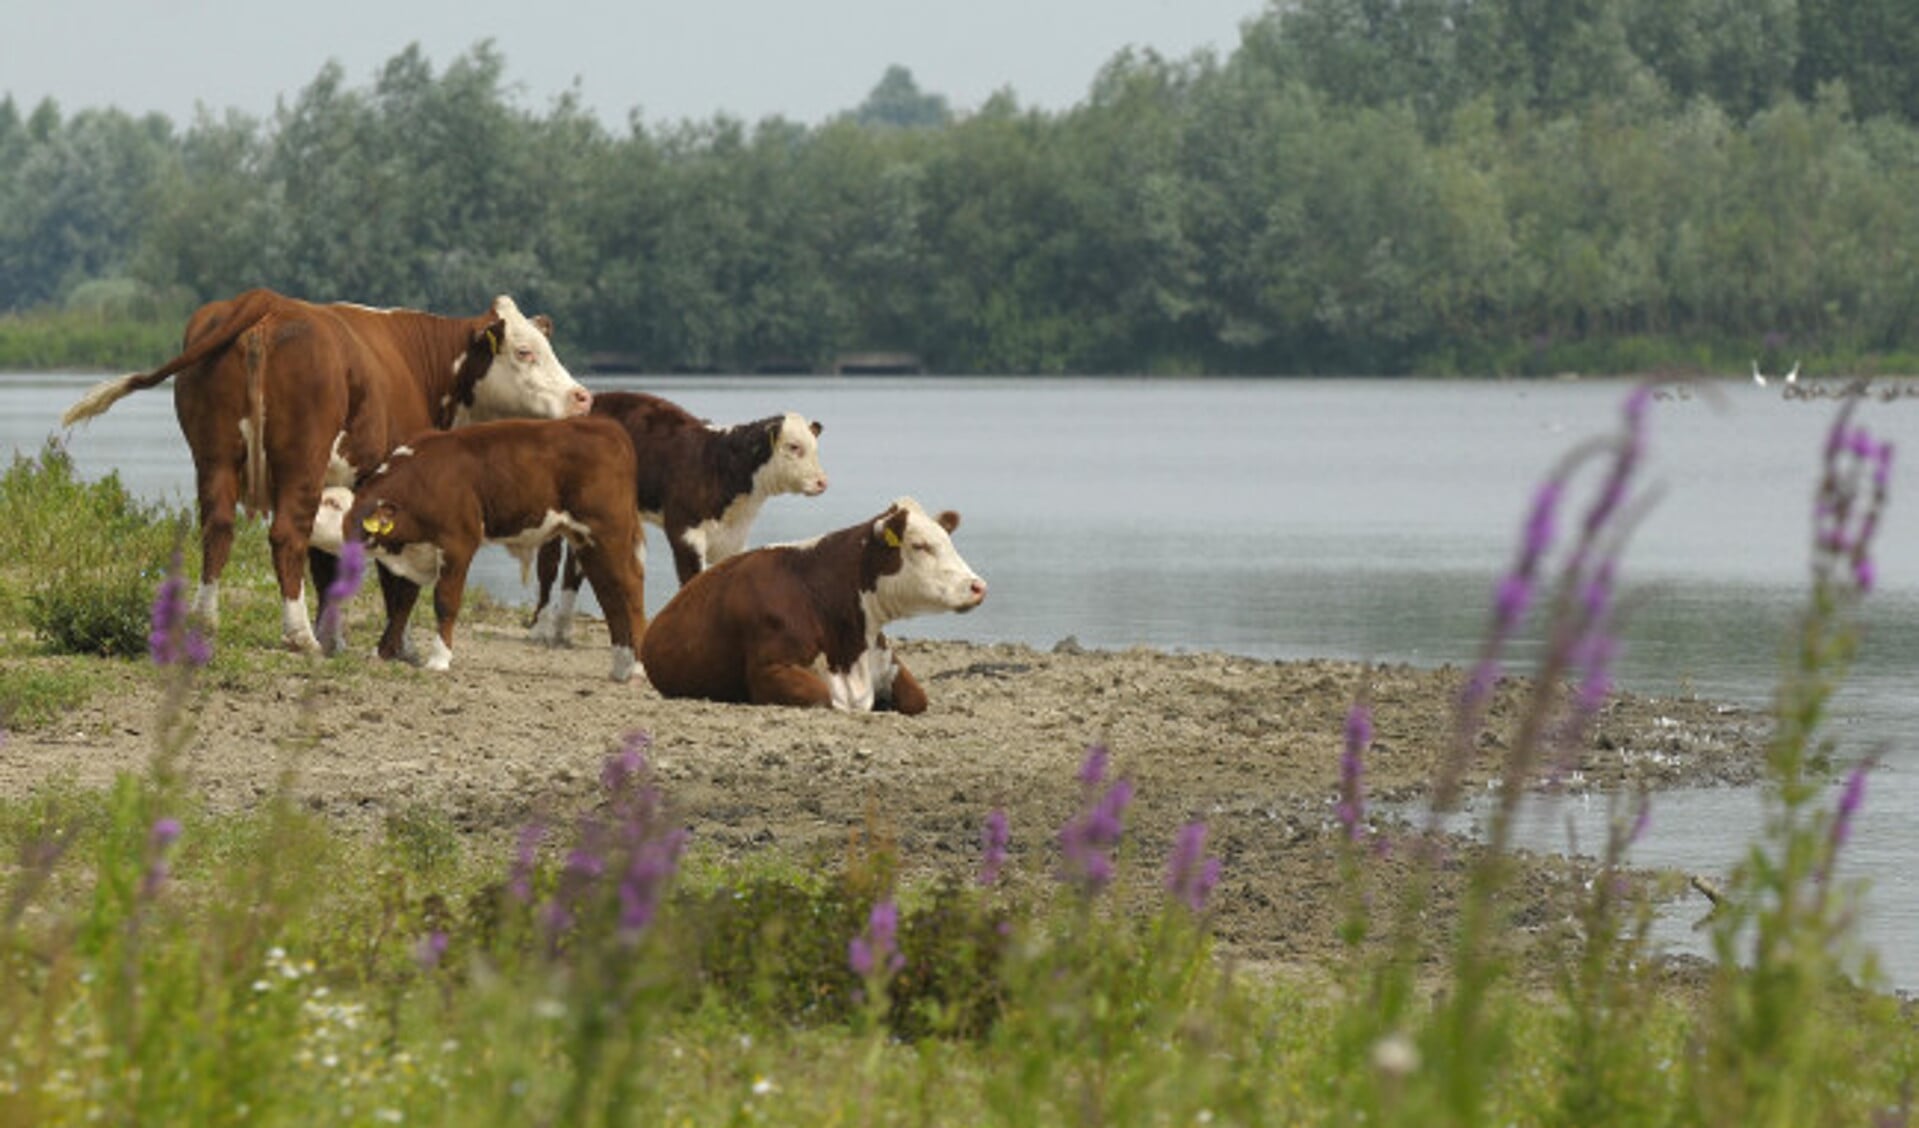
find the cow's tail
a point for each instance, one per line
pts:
(253, 307)
(257, 494)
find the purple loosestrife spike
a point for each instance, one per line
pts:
(1093, 771)
(171, 642)
(1087, 842)
(1541, 523)
(1640, 823)
(1190, 874)
(520, 881)
(994, 837)
(346, 582)
(1351, 811)
(878, 946)
(430, 950)
(1850, 801)
(163, 834)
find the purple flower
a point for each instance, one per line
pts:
(649, 870)
(1351, 811)
(1190, 874)
(1849, 802)
(165, 832)
(1540, 524)
(346, 581)
(160, 837)
(878, 946)
(1093, 771)
(525, 858)
(1087, 842)
(171, 642)
(993, 837)
(430, 949)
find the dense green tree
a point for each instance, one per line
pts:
(897, 101)
(1376, 185)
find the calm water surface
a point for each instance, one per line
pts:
(1340, 518)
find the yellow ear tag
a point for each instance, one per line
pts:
(892, 539)
(493, 339)
(377, 524)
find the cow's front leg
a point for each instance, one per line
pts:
(894, 686)
(399, 594)
(325, 568)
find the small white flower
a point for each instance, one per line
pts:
(262, 985)
(1395, 1055)
(552, 1009)
(762, 1086)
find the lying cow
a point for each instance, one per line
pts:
(519, 483)
(701, 484)
(280, 399)
(801, 624)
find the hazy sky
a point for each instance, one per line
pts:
(803, 59)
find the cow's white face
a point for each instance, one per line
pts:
(795, 464)
(931, 577)
(526, 379)
(329, 531)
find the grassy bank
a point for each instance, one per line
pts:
(163, 962)
(86, 340)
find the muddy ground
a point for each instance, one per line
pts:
(516, 732)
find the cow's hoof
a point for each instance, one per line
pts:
(624, 666)
(549, 631)
(302, 642)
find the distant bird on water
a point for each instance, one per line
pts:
(1793, 376)
(1757, 376)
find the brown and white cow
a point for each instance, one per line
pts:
(519, 483)
(703, 485)
(280, 398)
(801, 624)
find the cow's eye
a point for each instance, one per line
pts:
(523, 355)
(922, 546)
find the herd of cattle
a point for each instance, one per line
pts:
(424, 437)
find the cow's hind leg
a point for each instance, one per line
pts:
(219, 490)
(787, 684)
(553, 621)
(621, 589)
(399, 594)
(448, 591)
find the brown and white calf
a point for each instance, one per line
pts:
(518, 483)
(702, 485)
(801, 624)
(280, 399)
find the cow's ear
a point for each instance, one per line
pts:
(817, 428)
(773, 429)
(543, 323)
(949, 520)
(890, 529)
(492, 338)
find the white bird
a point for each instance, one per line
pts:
(1793, 376)
(1757, 378)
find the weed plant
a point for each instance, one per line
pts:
(161, 964)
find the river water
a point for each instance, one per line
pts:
(1361, 519)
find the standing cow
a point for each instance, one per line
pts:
(519, 483)
(801, 624)
(280, 398)
(703, 485)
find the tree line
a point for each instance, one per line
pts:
(1359, 186)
